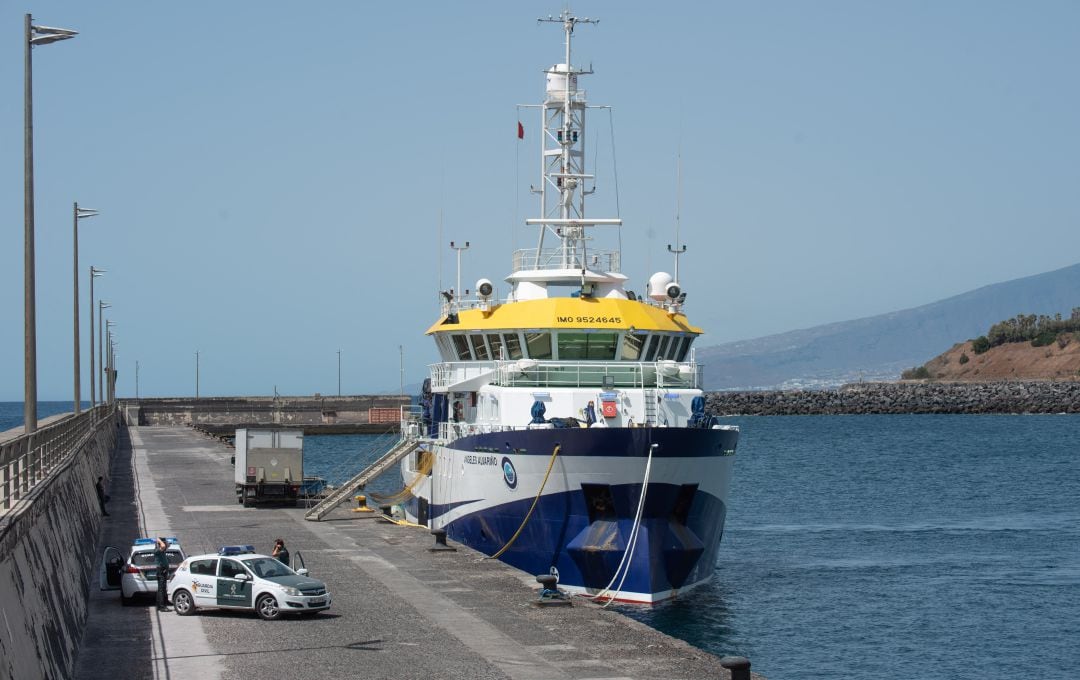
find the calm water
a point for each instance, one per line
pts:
(11, 412)
(896, 547)
(874, 547)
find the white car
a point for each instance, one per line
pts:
(238, 578)
(137, 575)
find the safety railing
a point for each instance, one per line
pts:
(29, 460)
(531, 373)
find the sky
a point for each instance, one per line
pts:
(278, 181)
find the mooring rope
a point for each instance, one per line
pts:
(532, 507)
(628, 554)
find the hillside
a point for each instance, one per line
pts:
(881, 347)
(1011, 361)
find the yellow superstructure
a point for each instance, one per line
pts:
(568, 313)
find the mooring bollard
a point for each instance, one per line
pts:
(738, 666)
(361, 504)
(440, 542)
(550, 596)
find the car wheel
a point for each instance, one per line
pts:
(182, 603)
(267, 607)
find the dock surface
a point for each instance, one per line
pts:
(399, 610)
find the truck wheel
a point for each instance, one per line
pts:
(267, 607)
(182, 603)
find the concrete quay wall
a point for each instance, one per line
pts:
(904, 397)
(48, 563)
(285, 411)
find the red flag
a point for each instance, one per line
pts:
(521, 131)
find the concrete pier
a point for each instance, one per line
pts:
(399, 610)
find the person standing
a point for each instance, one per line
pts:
(161, 559)
(280, 553)
(102, 497)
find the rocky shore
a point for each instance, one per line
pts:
(904, 397)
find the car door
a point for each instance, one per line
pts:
(111, 569)
(232, 591)
(203, 574)
(298, 563)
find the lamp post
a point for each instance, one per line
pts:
(94, 273)
(107, 394)
(35, 35)
(339, 372)
(102, 306)
(79, 213)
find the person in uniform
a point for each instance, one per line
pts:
(161, 560)
(280, 553)
(102, 497)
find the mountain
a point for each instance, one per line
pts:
(880, 347)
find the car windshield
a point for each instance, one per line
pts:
(146, 559)
(268, 567)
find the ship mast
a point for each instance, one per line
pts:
(563, 176)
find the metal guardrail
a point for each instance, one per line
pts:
(29, 460)
(530, 373)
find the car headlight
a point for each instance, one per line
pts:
(291, 592)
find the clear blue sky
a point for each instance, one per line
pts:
(270, 175)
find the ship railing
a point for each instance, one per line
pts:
(30, 460)
(412, 422)
(599, 374)
(527, 259)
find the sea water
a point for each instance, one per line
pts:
(896, 547)
(874, 547)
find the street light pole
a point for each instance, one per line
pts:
(108, 393)
(94, 273)
(102, 306)
(339, 372)
(35, 35)
(79, 213)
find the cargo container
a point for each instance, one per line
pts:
(269, 466)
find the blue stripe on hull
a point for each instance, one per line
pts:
(680, 529)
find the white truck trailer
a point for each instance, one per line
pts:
(269, 466)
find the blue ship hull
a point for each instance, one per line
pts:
(582, 530)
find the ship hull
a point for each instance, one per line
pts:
(584, 488)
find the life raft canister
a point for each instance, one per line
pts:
(609, 409)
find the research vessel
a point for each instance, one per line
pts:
(564, 430)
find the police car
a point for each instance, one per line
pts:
(239, 578)
(137, 575)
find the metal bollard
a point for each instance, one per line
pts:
(550, 595)
(361, 504)
(738, 666)
(440, 542)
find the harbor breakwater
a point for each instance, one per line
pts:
(904, 397)
(48, 561)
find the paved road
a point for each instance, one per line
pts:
(399, 610)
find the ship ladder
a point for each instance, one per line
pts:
(650, 407)
(344, 492)
(551, 464)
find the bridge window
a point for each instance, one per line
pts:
(513, 346)
(480, 350)
(632, 346)
(495, 342)
(461, 346)
(684, 348)
(661, 351)
(539, 345)
(594, 346)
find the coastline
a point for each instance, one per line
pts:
(904, 397)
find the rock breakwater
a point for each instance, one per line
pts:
(904, 397)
